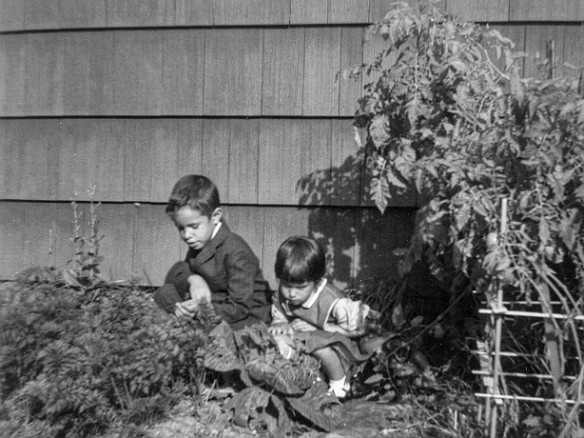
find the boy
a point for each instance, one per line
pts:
(220, 267)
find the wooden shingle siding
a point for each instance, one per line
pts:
(150, 159)
(79, 155)
(546, 10)
(251, 12)
(348, 11)
(573, 48)
(138, 88)
(45, 55)
(283, 72)
(118, 224)
(537, 40)
(83, 14)
(156, 245)
(346, 171)
(193, 13)
(139, 13)
(254, 161)
(12, 74)
(12, 238)
(88, 74)
(42, 14)
(12, 15)
(480, 10)
(321, 91)
(352, 40)
(242, 160)
(18, 15)
(190, 147)
(308, 11)
(233, 66)
(39, 233)
(215, 72)
(279, 166)
(183, 72)
(215, 158)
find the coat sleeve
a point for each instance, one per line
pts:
(241, 267)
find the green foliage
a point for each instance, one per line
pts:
(446, 112)
(83, 268)
(78, 363)
(277, 391)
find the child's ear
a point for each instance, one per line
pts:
(217, 215)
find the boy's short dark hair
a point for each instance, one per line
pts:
(195, 191)
(299, 260)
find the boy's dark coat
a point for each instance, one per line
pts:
(240, 294)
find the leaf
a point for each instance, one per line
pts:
(281, 379)
(379, 130)
(70, 278)
(397, 317)
(416, 321)
(316, 405)
(532, 421)
(379, 192)
(284, 423)
(375, 378)
(219, 357)
(246, 403)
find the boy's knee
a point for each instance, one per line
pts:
(178, 276)
(166, 297)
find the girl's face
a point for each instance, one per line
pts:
(297, 293)
(196, 229)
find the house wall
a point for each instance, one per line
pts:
(128, 95)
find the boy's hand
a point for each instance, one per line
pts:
(186, 309)
(281, 329)
(302, 326)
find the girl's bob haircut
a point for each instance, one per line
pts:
(300, 260)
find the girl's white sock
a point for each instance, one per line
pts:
(339, 387)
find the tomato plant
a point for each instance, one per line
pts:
(447, 112)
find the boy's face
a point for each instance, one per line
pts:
(196, 229)
(297, 293)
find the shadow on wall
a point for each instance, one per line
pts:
(359, 240)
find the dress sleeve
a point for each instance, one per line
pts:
(349, 315)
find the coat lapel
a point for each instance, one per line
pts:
(210, 249)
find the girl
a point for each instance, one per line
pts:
(313, 311)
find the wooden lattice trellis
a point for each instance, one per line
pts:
(497, 394)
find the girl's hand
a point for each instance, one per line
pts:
(186, 309)
(281, 329)
(302, 326)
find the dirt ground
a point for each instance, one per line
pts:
(354, 419)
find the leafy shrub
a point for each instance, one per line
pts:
(78, 364)
(279, 395)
